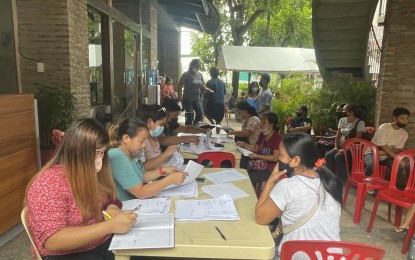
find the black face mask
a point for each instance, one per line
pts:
(285, 166)
(299, 114)
(340, 114)
(400, 125)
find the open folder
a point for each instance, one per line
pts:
(193, 169)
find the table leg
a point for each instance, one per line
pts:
(122, 257)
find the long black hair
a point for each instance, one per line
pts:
(302, 145)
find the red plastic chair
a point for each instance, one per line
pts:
(217, 158)
(357, 178)
(332, 249)
(402, 199)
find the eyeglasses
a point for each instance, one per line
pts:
(100, 153)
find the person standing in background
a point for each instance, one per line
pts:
(192, 81)
(216, 103)
(265, 95)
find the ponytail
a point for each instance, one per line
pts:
(129, 126)
(331, 183)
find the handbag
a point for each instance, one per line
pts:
(352, 133)
(257, 165)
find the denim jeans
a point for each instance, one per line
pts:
(191, 106)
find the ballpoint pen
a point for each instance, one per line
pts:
(106, 214)
(135, 209)
(220, 232)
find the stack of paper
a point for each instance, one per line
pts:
(184, 191)
(148, 232)
(205, 145)
(193, 169)
(218, 190)
(221, 208)
(225, 176)
(244, 151)
(148, 206)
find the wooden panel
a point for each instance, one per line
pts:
(17, 161)
(17, 180)
(10, 205)
(10, 104)
(17, 122)
(11, 144)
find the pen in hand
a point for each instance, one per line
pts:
(135, 209)
(221, 234)
(106, 215)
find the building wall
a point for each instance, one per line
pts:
(169, 55)
(149, 20)
(54, 32)
(397, 77)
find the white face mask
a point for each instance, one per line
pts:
(98, 164)
(266, 131)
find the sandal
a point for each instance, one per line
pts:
(401, 229)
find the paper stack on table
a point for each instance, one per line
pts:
(244, 151)
(184, 191)
(225, 176)
(148, 232)
(221, 208)
(148, 206)
(193, 169)
(218, 190)
(205, 145)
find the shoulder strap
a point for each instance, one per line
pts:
(309, 214)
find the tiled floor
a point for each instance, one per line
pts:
(383, 234)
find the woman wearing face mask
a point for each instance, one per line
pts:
(156, 118)
(252, 95)
(251, 124)
(127, 140)
(312, 190)
(66, 198)
(265, 151)
(348, 124)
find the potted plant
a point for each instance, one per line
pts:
(56, 110)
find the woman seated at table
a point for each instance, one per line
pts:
(251, 124)
(311, 193)
(66, 198)
(266, 150)
(167, 92)
(156, 118)
(127, 140)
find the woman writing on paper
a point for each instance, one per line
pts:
(66, 198)
(311, 188)
(128, 140)
(251, 124)
(266, 150)
(156, 118)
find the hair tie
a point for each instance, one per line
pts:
(117, 126)
(320, 162)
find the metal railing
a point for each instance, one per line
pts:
(373, 55)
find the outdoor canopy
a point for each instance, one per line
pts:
(268, 59)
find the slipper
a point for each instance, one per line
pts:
(401, 229)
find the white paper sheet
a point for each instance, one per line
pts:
(148, 206)
(193, 169)
(225, 176)
(148, 232)
(221, 208)
(184, 191)
(218, 190)
(244, 151)
(175, 160)
(201, 147)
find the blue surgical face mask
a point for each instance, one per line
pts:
(285, 166)
(158, 131)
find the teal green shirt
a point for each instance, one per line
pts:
(126, 173)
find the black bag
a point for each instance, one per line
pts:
(352, 133)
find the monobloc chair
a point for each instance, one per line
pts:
(217, 158)
(401, 198)
(357, 178)
(25, 223)
(334, 250)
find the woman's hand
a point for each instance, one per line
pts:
(276, 175)
(171, 150)
(177, 177)
(253, 156)
(123, 222)
(241, 144)
(192, 139)
(170, 169)
(113, 210)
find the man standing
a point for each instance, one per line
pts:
(391, 138)
(302, 123)
(265, 95)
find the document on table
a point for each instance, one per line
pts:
(218, 190)
(148, 206)
(225, 176)
(193, 169)
(189, 190)
(244, 151)
(201, 147)
(148, 232)
(176, 160)
(186, 134)
(221, 208)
